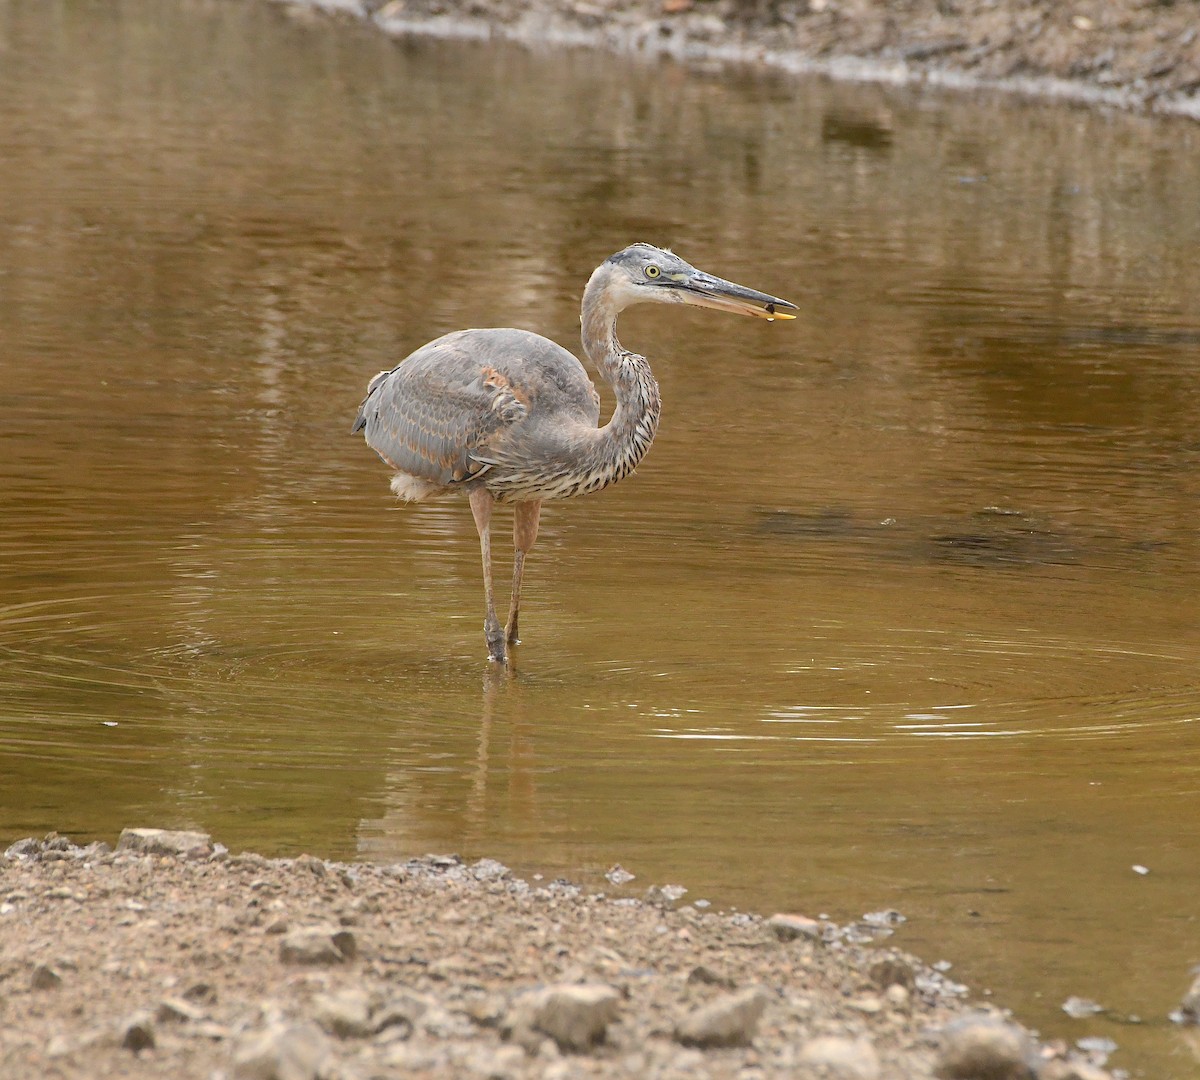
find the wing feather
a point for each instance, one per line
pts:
(429, 414)
(502, 404)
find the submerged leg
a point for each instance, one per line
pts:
(525, 529)
(481, 507)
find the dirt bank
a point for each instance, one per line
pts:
(1142, 54)
(170, 957)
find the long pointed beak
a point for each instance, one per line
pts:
(704, 290)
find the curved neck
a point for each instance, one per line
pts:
(621, 443)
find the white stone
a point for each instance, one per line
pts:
(281, 1052)
(843, 1059)
(575, 1017)
(731, 1020)
(192, 845)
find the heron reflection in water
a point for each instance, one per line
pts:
(508, 416)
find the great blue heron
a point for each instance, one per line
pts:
(509, 416)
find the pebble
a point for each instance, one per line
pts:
(312, 864)
(981, 1047)
(665, 894)
(618, 875)
(490, 870)
(175, 1010)
(893, 971)
(44, 977)
(502, 1063)
(868, 1004)
(841, 1059)
(399, 1014)
(23, 849)
(706, 976)
(423, 1060)
(202, 992)
(575, 1017)
(443, 1023)
(346, 1014)
(731, 1020)
(190, 845)
(1189, 1008)
(318, 945)
(1099, 1046)
(790, 927)
(137, 1032)
(1072, 1070)
(281, 1052)
(64, 1045)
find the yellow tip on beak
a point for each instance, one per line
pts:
(771, 316)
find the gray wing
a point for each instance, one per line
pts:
(436, 414)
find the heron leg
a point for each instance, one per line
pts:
(481, 508)
(525, 530)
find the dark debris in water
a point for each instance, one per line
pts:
(989, 537)
(828, 523)
(862, 132)
(1020, 547)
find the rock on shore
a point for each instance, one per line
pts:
(1117, 53)
(171, 957)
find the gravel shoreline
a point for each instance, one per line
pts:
(168, 956)
(1124, 54)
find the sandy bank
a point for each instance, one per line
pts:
(171, 957)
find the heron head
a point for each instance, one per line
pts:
(642, 273)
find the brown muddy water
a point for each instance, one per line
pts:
(900, 611)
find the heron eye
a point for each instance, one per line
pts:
(652, 271)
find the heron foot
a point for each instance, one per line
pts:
(495, 641)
